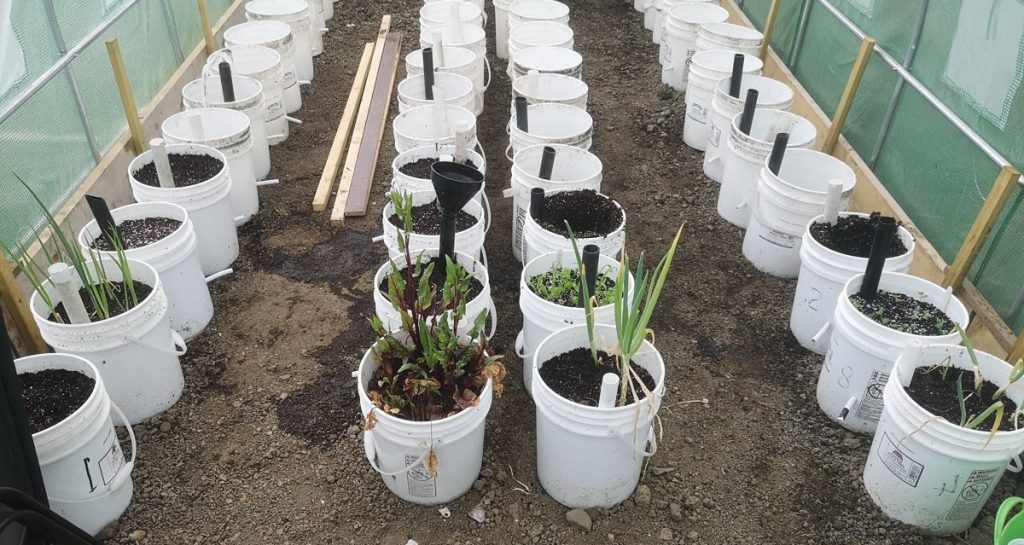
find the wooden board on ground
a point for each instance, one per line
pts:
(348, 118)
(369, 149)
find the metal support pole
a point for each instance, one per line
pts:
(172, 30)
(801, 31)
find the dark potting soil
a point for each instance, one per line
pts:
(421, 168)
(853, 235)
(52, 395)
(139, 233)
(187, 169)
(437, 278)
(562, 287)
(574, 376)
(141, 292)
(426, 219)
(904, 313)
(938, 396)
(589, 213)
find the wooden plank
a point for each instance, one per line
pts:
(330, 173)
(1018, 350)
(996, 201)
(338, 212)
(769, 27)
(369, 150)
(867, 46)
(17, 308)
(124, 89)
(204, 21)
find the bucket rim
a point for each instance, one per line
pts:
(43, 435)
(92, 226)
(955, 306)
(36, 303)
(147, 157)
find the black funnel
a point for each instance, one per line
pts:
(455, 184)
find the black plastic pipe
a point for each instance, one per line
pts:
(778, 151)
(537, 204)
(104, 219)
(547, 163)
(885, 230)
(591, 256)
(737, 75)
(428, 73)
(747, 119)
(227, 86)
(522, 114)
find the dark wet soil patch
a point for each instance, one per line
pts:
(904, 313)
(589, 213)
(187, 169)
(322, 410)
(853, 236)
(139, 233)
(938, 395)
(53, 395)
(574, 375)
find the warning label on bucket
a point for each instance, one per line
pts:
(666, 53)
(972, 495)
(421, 483)
(902, 466)
(778, 238)
(517, 229)
(697, 112)
(716, 136)
(871, 402)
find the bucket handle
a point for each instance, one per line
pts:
(487, 214)
(492, 318)
(521, 345)
(483, 257)
(216, 57)
(508, 151)
(123, 473)
(371, 455)
(487, 69)
(1003, 516)
(652, 440)
(1015, 465)
(219, 274)
(176, 339)
(822, 333)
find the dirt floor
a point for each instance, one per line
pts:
(264, 446)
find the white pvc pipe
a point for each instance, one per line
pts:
(195, 119)
(440, 112)
(60, 275)
(609, 390)
(533, 78)
(162, 163)
(463, 136)
(438, 49)
(833, 200)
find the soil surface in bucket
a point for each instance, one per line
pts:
(437, 278)
(116, 306)
(186, 168)
(53, 395)
(139, 233)
(561, 286)
(426, 219)
(904, 313)
(574, 375)
(589, 213)
(938, 395)
(421, 169)
(853, 236)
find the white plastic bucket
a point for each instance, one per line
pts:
(392, 318)
(523, 11)
(439, 14)
(398, 449)
(470, 37)
(823, 273)
(208, 204)
(279, 37)
(458, 91)
(538, 241)
(914, 454)
(469, 241)
(553, 60)
(786, 202)
(772, 94)
(175, 259)
(537, 34)
(263, 64)
(457, 60)
(136, 352)
(861, 351)
(207, 92)
(87, 479)
(541, 317)
(554, 88)
(747, 153)
(706, 69)
(478, 3)
(501, 27)
(663, 7)
(591, 456)
(679, 38)
(418, 127)
(729, 37)
(296, 14)
(574, 168)
(408, 184)
(552, 124)
(227, 131)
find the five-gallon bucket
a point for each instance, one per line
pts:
(228, 131)
(263, 64)
(537, 34)
(785, 203)
(706, 68)
(294, 13)
(470, 37)
(458, 91)
(663, 7)
(469, 241)
(434, 15)
(1009, 526)
(551, 60)
(428, 463)
(136, 352)
(574, 168)
(772, 94)
(679, 39)
(206, 92)
(418, 127)
(729, 37)
(523, 11)
(406, 183)
(87, 479)
(391, 317)
(277, 36)
(552, 124)
(746, 154)
(591, 456)
(541, 317)
(823, 273)
(554, 88)
(928, 472)
(208, 204)
(861, 351)
(457, 60)
(174, 257)
(538, 241)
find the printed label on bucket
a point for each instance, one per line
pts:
(696, 112)
(902, 466)
(517, 228)
(421, 483)
(716, 136)
(666, 53)
(778, 238)
(972, 495)
(288, 80)
(871, 401)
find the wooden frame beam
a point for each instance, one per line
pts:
(867, 46)
(124, 89)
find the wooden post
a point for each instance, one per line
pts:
(769, 26)
(204, 21)
(1017, 352)
(997, 198)
(16, 306)
(124, 88)
(846, 101)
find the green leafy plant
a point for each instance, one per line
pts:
(561, 285)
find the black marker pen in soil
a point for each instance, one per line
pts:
(537, 204)
(885, 230)
(778, 151)
(227, 87)
(428, 73)
(105, 221)
(455, 184)
(591, 255)
(547, 163)
(522, 114)
(747, 119)
(737, 75)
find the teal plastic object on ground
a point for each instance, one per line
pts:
(1009, 530)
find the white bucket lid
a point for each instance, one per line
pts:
(550, 120)
(719, 61)
(538, 10)
(281, 10)
(208, 92)
(454, 57)
(549, 87)
(687, 14)
(548, 59)
(453, 86)
(221, 127)
(250, 60)
(729, 31)
(268, 33)
(440, 12)
(471, 35)
(807, 170)
(541, 33)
